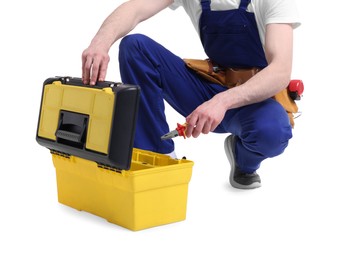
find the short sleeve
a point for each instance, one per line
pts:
(176, 4)
(282, 11)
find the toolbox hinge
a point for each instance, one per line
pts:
(65, 155)
(108, 167)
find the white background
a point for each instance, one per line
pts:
(303, 210)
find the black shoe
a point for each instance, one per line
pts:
(237, 178)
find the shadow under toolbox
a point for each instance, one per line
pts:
(90, 132)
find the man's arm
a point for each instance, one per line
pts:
(273, 78)
(120, 22)
(265, 84)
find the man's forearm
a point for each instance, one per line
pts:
(263, 85)
(125, 18)
(119, 23)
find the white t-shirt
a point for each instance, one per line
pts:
(266, 11)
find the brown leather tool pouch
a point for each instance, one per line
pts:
(236, 77)
(206, 69)
(288, 104)
(230, 77)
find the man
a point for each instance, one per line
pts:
(236, 34)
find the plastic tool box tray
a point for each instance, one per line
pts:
(90, 132)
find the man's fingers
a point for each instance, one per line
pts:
(94, 69)
(86, 69)
(206, 127)
(94, 72)
(103, 69)
(196, 126)
(199, 128)
(191, 122)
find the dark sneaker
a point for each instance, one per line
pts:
(237, 178)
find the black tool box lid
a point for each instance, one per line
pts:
(71, 113)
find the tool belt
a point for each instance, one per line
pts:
(230, 77)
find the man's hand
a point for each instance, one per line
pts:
(95, 61)
(206, 117)
(120, 22)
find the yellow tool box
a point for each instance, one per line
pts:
(90, 132)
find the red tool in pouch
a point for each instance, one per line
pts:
(296, 89)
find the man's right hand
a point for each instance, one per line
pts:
(95, 61)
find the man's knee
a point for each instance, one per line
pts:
(132, 41)
(270, 135)
(273, 139)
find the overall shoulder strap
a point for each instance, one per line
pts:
(244, 4)
(206, 5)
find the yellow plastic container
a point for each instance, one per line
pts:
(90, 133)
(152, 192)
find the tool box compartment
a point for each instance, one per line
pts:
(152, 193)
(90, 132)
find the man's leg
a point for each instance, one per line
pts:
(161, 75)
(263, 129)
(260, 131)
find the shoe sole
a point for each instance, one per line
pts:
(228, 147)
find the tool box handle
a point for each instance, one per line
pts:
(72, 128)
(74, 81)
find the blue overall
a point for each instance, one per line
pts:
(231, 39)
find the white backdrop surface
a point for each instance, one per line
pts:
(303, 210)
